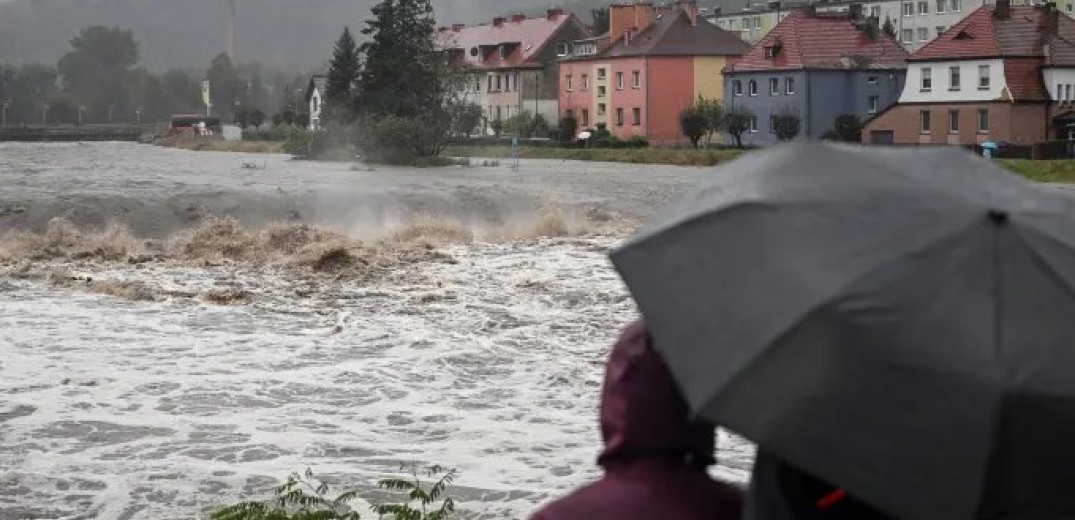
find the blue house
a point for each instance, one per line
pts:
(816, 66)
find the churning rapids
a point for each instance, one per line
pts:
(158, 359)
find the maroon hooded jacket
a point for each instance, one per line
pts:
(655, 456)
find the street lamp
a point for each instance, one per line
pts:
(81, 108)
(3, 119)
(138, 114)
(44, 113)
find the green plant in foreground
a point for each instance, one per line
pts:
(303, 497)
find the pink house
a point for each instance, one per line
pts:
(636, 83)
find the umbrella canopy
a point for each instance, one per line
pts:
(897, 322)
(585, 135)
(989, 144)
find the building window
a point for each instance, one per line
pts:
(1060, 92)
(636, 79)
(1067, 92)
(941, 5)
(772, 124)
(953, 121)
(908, 9)
(753, 124)
(940, 30)
(570, 114)
(923, 7)
(499, 115)
(953, 78)
(927, 79)
(983, 121)
(499, 85)
(957, 5)
(561, 49)
(923, 34)
(585, 117)
(774, 86)
(601, 91)
(601, 109)
(1069, 8)
(873, 105)
(619, 117)
(636, 116)
(737, 88)
(585, 82)
(601, 73)
(924, 122)
(770, 52)
(907, 36)
(875, 11)
(752, 88)
(983, 77)
(619, 81)
(789, 86)
(489, 88)
(569, 87)
(871, 80)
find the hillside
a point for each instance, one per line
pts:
(187, 33)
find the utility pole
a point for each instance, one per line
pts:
(3, 119)
(80, 109)
(44, 113)
(138, 114)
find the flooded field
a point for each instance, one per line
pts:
(159, 359)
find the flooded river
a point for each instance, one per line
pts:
(171, 366)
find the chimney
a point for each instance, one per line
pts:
(554, 13)
(1003, 9)
(623, 18)
(498, 21)
(691, 8)
(855, 10)
(456, 27)
(516, 18)
(1050, 17)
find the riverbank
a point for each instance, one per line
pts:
(220, 145)
(1048, 171)
(669, 156)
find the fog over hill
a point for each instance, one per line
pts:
(188, 33)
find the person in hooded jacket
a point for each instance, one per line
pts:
(780, 491)
(655, 455)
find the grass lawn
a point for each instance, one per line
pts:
(1057, 170)
(681, 157)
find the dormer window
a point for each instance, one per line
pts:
(770, 52)
(561, 49)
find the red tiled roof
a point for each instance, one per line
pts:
(528, 38)
(1023, 33)
(1023, 77)
(822, 41)
(672, 34)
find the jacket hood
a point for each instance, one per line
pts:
(643, 414)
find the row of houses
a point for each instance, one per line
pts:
(999, 72)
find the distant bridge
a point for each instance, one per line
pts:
(69, 133)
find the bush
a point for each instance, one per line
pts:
(304, 497)
(847, 128)
(567, 129)
(539, 127)
(521, 124)
(277, 133)
(693, 124)
(786, 125)
(497, 126)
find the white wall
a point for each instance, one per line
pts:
(315, 110)
(1063, 78)
(940, 91)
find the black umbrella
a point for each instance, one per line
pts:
(897, 322)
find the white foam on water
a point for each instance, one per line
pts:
(491, 365)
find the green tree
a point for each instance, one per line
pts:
(466, 118)
(847, 128)
(693, 124)
(786, 123)
(713, 112)
(31, 86)
(97, 70)
(889, 28)
(737, 121)
(343, 77)
(225, 86)
(600, 22)
(401, 74)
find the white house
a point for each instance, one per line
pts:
(315, 96)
